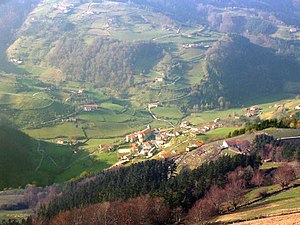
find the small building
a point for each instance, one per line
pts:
(159, 79)
(131, 138)
(297, 107)
(147, 146)
(90, 107)
(195, 133)
(124, 154)
(293, 30)
(81, 90)
(198, 144)
(61, 142)
(224, 145)
(72, 119)
(153, 105)
(144, 134)
(185, 124)
(217, 120)
(73, 142)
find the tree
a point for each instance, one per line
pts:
(235, 188)
(201, 213)
(217, 197)
(258, 178)
(284, 175)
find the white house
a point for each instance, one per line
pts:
(224, 145)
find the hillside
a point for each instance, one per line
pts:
(24, 160)
(122, 47)
(238, 71)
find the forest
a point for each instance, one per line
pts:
(106, 62)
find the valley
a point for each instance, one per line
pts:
(90, 90)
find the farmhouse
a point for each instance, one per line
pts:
(71, 119)
(131, 137)
(81, 90)
(185, 124)
(293, 30)
(147, 146)
(74, 142)
(159, 79)
(61, 142)
(90, 107)
(153, 105)
(124, 154)
(217, 120)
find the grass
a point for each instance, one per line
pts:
(45, 163)
(93, 144)
(280, 133)
(68, 130)
(284, 202)
(18, 214)
(270, 165)
(216, 134)
(171, 112)
(84, 164)
(210, 116)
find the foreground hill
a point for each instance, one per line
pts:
(24, 160)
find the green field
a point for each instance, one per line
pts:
(282, 203)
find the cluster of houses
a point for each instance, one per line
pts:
(252, 111)
(293, 30)
(71, 119)
(146, 142)
(90, 107)
(194, 146)
(16, 61)
(195, 45)
(187, 128)
(62, 141)
(243, 146)
(62, 7)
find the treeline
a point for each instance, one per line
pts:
(106, 62)
(238, 71)
(264, 124)
(121, 183)
(156, 178)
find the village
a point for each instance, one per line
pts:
(151, 141)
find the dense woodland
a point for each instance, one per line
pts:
(105, 62)
(145, 193)
(153, 177)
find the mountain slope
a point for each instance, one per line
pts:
(239, 71)
(24, 160)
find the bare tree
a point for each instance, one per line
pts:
(201, 213)
(217, 197)
(284, 175)
(258, 178)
